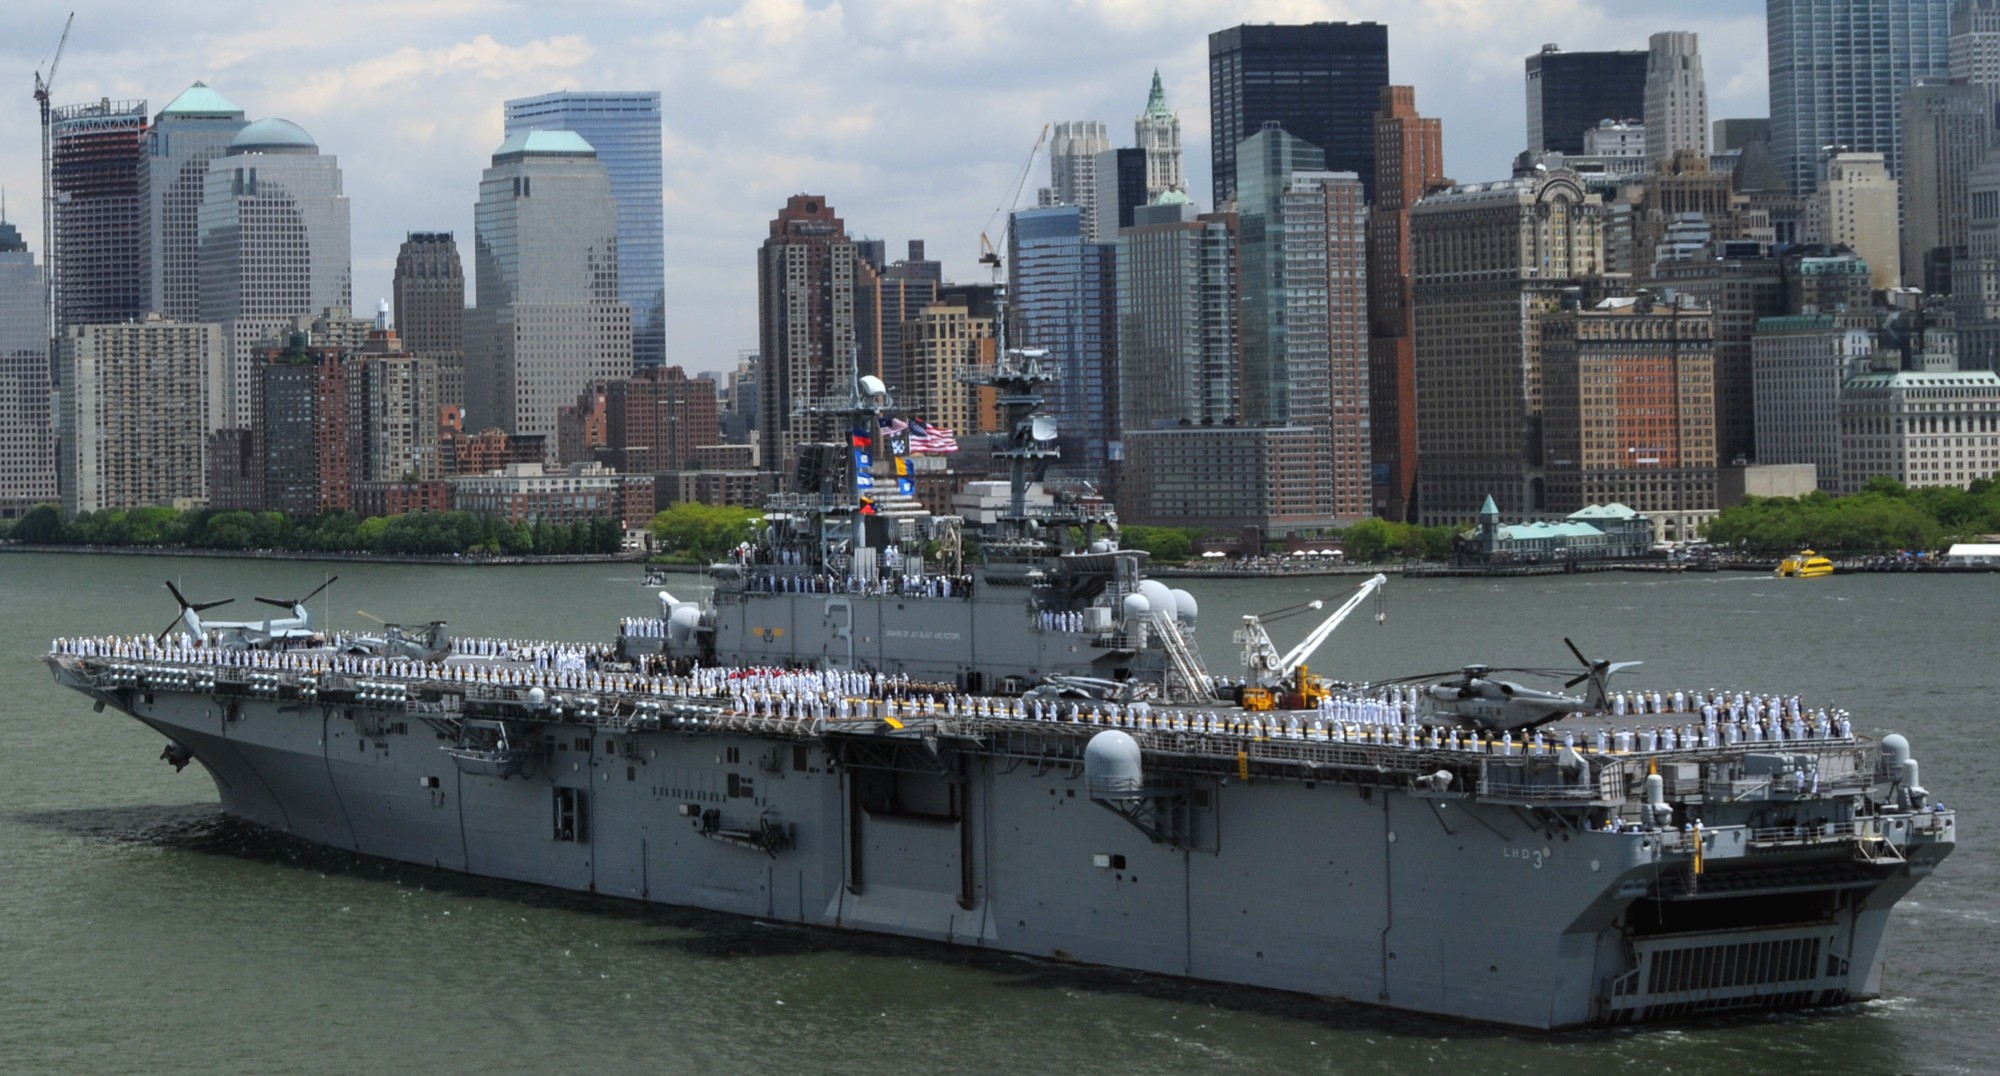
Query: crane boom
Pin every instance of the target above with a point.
(43, 87)
(988, 254)
(1313, 640)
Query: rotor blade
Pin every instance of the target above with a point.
(1579, 654)
(177, 593)
(1619, 666)
(162, 637)
(199, 606)
(1414, 677)
(315, 591)
(1575, 680)
(293, 603)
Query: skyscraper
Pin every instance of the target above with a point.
(947, 336)
(1320, 82)
(1676, 104)
(1265, 163)
(1739, 283)
(1569, 92)
(549, 320)
(1947, 130)
(1073, 151)
(275, 244)
(187, 134)
(1837, 70)
(624, 128)
(1801, 360)
(1975, 286)
(807, 272)
(907, 286)
(1409, 161)
(1058, 301)
(429, 289)
(1326, 333)
(1121, 188)
(303, 431)
(1490, 259)
(27, 448)
(138, 400)
(1973, 49)
(655, 419)
(1654, 449)
(95, 270)
(1178, 350)
(395, 420)
(1157, 133)
(1855, 206)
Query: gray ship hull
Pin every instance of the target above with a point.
(1331, 883)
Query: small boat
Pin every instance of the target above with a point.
(483, 750)
(1805, 564)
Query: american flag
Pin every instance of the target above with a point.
(928, 440)
(897, 434)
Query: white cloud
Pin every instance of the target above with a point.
(911, 116)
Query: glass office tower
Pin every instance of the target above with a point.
(624, 127)
(1838, 70)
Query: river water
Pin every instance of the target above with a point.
(140, 932)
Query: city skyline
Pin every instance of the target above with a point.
(749, 122)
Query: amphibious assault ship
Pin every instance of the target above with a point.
(860, 730)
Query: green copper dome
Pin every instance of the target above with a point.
(273, 136)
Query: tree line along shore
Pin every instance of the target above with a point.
(1884, 516)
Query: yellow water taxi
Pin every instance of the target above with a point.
(1805, 564)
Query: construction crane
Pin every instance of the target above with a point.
(988, 254)
(42, 87)
(1274, 680)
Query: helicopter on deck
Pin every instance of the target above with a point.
(428, 644)
(1474, 696)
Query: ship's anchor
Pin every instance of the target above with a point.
(178, 755)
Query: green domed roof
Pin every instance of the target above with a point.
(273, 136)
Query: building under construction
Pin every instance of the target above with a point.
(96, 156)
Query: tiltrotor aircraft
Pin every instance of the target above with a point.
(273, 632)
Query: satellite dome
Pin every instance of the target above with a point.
(273, 136)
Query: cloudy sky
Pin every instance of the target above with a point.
(912, 117)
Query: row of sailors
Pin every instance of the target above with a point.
(731, 681)
(1410, 734)
(1752, 723)
(1061, 620)
(642, 627)
(1722, 703)
(1394, 705)
(543, 654)
(903, 586)
(845, 694)
(185, 649)
(1719, 706)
